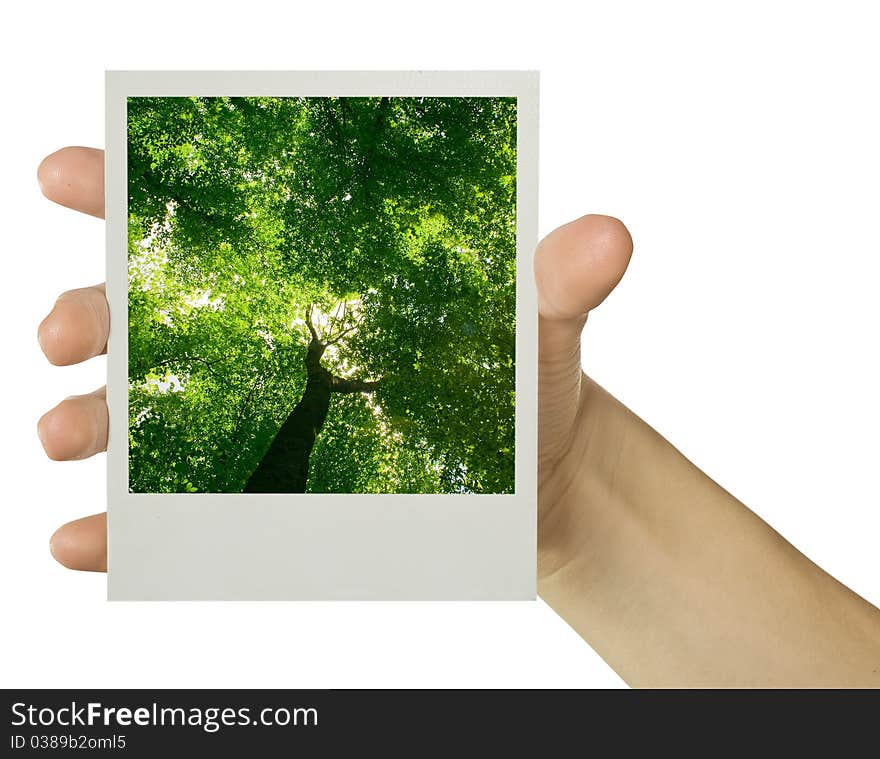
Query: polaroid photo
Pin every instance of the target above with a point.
(323, 352)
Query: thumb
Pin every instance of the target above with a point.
(576, 267)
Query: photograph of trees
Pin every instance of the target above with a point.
(321, 295)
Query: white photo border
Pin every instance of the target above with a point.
(233, 546)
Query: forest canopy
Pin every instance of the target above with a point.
(322, 294)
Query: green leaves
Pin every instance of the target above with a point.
(245, 210)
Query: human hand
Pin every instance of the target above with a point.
(576, 267)
(74, 331)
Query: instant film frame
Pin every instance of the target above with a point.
(321, 546)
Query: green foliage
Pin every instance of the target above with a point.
(243, 211)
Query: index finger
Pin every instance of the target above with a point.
(74, 177)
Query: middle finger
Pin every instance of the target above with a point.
(77, 327)
(76, 428)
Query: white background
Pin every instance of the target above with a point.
(739, 145)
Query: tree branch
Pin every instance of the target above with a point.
(342, 334)
(309, 324)
(184, 359)
(338, 319)
(341, 385)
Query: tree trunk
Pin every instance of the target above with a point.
(284, 467)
